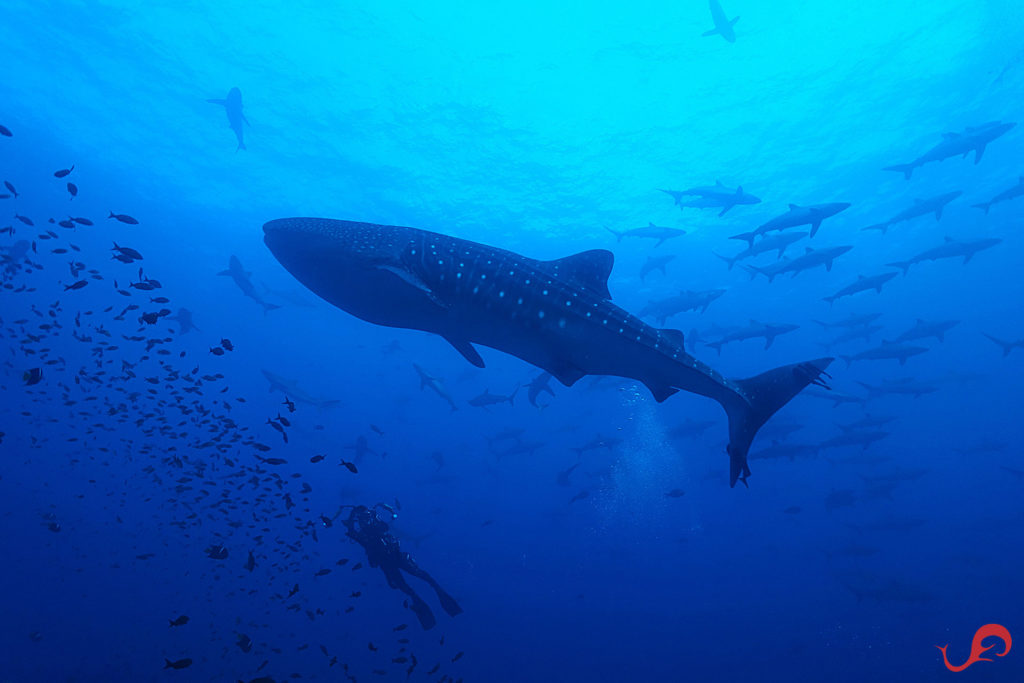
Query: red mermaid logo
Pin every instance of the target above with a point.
(986, 631)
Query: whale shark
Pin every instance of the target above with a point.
(556, 315)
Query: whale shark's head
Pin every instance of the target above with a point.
(358, 267)
(307, 243)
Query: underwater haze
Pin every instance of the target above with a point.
(251, 431)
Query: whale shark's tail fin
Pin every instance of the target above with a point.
(760, 398)
(905, 169)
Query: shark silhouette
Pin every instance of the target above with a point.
(233, 108)
(556, 315)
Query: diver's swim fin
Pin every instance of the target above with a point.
(448, 603)
(423, 613)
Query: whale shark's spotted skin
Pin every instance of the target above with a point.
(557, 315)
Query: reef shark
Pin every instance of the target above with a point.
(556, 315)
(291, 389)
(972, 139)
(723, 25)
(243, 279)
(921, 207)
(233, 108)
(796, 216)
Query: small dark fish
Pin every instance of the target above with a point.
(24, 219)
(291, 405)
(132, 254)
(250, 563)
(180, 621)
(73, 190)
(351, 466)
(244, 642)
(160, 300)
(6, 132)
(323, 572)
(64, 172)
(226, 343)
(217, 552)
(676, 493)
(377, 429)
(82, 221)
(11, 189)
(371, 647)
(458, 656)
(579, 496)
(76, 285)
(150, 318)
(316, 458)
(123, 217)
(283, 420)
(217, 351)
(33, 376)
(355, 594)
(179, 664)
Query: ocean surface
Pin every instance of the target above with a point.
(182, 421)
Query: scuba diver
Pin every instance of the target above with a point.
(367, 529)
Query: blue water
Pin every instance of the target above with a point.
(532, 128)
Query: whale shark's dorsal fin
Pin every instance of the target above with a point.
(587, 269)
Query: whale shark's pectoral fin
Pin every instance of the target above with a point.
(414, 280)
(660, 391)
(467, 351)
(588, 269)
(566, 373)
